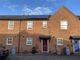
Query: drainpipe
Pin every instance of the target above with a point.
(19, 37)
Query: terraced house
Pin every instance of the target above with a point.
(48, 33)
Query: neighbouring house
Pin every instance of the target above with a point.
(48, 33)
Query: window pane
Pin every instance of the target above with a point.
(10, 24)
(29, 25)
(29, 41)
(44, 24)
(59, 41)
(9, 41)
(63, 25)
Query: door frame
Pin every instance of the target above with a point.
(73, 46)
(79, 44)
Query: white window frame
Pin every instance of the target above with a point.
(44, 24)
(29, 40)
(63, 24)
(29, 25)
(12, 23)
(60, 40)
(7, 39)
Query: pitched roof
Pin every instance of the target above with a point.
(24, 17)
(31, 17)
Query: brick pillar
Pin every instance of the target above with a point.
(47, 45)
(42, 46)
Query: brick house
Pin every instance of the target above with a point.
(48, 33)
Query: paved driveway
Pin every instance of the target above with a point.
(43, 57)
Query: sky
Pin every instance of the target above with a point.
(37, 7)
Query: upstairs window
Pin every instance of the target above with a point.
(9, 41)
(29, 41)
(10, 24)
(64, 25)
(45, 24)
(29, 25)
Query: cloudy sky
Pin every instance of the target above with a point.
(37, 7)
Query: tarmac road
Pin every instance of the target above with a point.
(43, 57)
